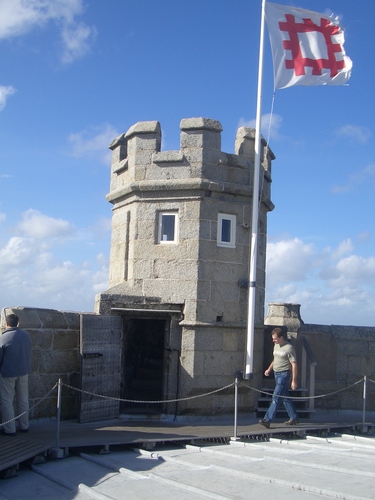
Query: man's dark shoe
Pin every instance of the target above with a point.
(24, 430)
(265, 423)
(293, 421)
(8, 433)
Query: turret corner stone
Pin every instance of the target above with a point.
(200, 124)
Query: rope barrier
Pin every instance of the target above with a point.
(304, 397)
(184, 399)
(148, 402)
(30, 409)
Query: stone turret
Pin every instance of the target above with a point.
(181, 230)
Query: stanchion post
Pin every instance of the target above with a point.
(364, 402)
(58, 452)
(234, 438)
(58, 413)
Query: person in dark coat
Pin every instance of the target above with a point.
(15, 361)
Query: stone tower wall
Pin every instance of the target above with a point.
(199, 181)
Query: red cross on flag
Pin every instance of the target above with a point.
(307, 47)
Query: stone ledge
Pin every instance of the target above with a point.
(121, 167)
(150, 127)
(200, 124)
(168, 157)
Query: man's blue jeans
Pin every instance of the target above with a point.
(281, 389)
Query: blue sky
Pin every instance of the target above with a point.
(75, 74)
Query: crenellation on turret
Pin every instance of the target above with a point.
(200, 133)
(137, 160)
(119, 149)
(245, 146)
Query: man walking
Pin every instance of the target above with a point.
(284, 362)
(15, 360)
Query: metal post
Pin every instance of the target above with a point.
(234, 438)
(58, 413)
(253, 250)
(364, 401)
(58, 452)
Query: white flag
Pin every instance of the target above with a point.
(307, 47)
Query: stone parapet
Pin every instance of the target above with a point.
(55, 354)
(139, 166)
(344, 355)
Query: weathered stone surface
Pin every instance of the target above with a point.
(66, 340)
(140, 128)
(59, 362)
(55, 353)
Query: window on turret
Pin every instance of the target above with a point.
(226, 231)
(168, 227)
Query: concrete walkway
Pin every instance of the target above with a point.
(139, 459)
(335, 466)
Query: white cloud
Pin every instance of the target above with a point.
(77, 40)
(19, 17)
(39, 226)
(5, 92)
(333, 286)
(344, 247)
(17, 251)
(92, 141)
(290, 260)
(33, 274)
(100, 277)
(354, 270)
(358, 134)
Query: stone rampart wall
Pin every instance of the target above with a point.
(344, 355)
(55, 354)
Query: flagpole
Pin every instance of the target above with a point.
(255, 215)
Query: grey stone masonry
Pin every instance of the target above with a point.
(199, 273)
(55, 354)
(197, 182)
(344, 355)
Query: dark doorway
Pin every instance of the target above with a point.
(143, 365)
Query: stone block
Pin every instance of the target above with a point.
(222, 363)
(188, 340)
(358, 366)
(40, 384)
(189, 230)
(231, 341)
(59, 362)
(192, 366)
(72, 320)
(41, 339)
(28, 317)
(208, 339)
(169, 269)
(199, 139)
(51, 318)
(191, 210)
(176, 292)
(66, 340)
